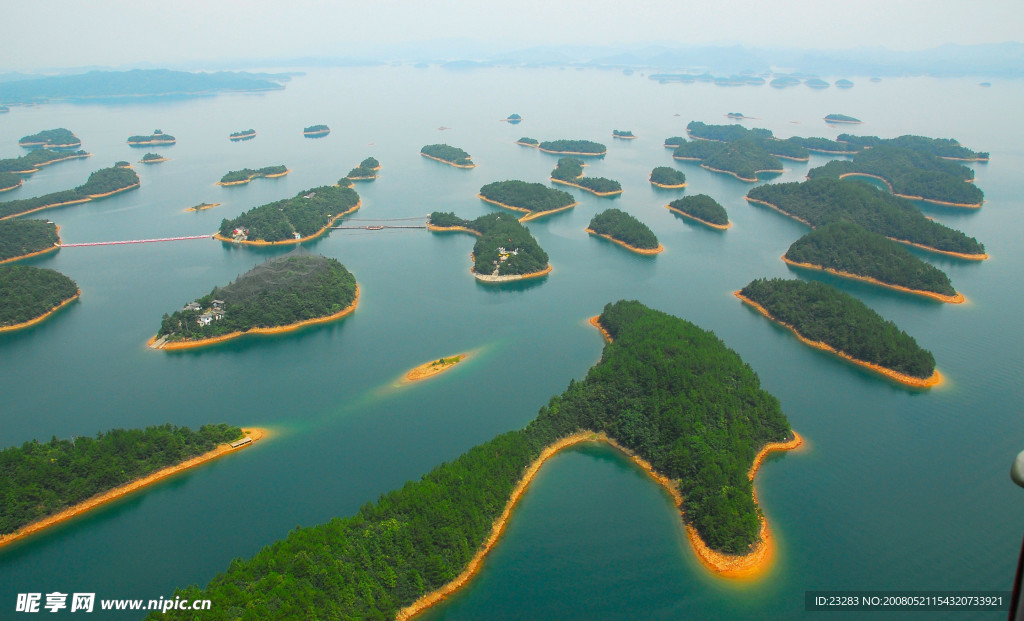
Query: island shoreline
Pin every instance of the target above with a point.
(643, 251)
(284, 242)
(594, 192)
(530, 215)
(43, 317)
(453, 164)
(892, 191)
(430, 369)
(720, 227)
(949, 299)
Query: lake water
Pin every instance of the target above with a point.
(896, 488)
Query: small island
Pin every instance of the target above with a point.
(31, 294)
(21, 239)
(152, 158)
(842, 118)
(245, 134)
(157, 137)
(851, 251)
(703, 209)
(316, 131)
(737, 115)
(202, 207)
(434, 367)
(622, 134)
(625, 230)
(535, 199)
(240, 177)
(34, 160)
(122, 164)
(573, 147)
(505, 250)
(366, 171)
(528, 142)
(301, 218)
(10, 181)
(513, 119)
(446, 154)
(280, 295)
(825, 318)
(102, 183)
(59, 138)
(668, 178)
(569, 171)
(674, 141)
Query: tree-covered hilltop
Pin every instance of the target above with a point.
(447, 153)
(41, 479)
(847, 247)
(665, 388)
(504, 248)
(623, 227)
(513, 117)
(9, 181)
(841, 118)
(30, 162)
(668, 177)
(248, 174)
(530, 197)
(370, 163)
(152, 157)
(762, 137)
(21, 237)
(245, 134)
(701, 207)
(52, 139)
(743, 158)
(316, 130)
(28, 293)
(305, 214)
(822, 313)
(280, 292)
(528, 142)
(157, 137)
(573, 147)
(122, 164)
(695, 150)
(100, 183)
(620, 133)
(822, 201)
(910, 173)
(824, 145)
(946, 148)
(367, 169)
(674, 141)
(569, 170)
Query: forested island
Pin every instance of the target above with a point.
(669, 178)
(737, 115)
(29, 295)
(9, 181)
(842, 118)
(535, 199)
(666, 391)
(703, 209)
(910, 174)
(61, 478)
(239, 177)
(152, 158)
(826, 318)
(849, 250)
(825, 145)
(316, 131)
(528, 142)
(292, 220)
(102, 183)
(788, 149)
(20, 239)
(625, 230)
(505, 249)
(513, 118)
(31, 162)
(157, 137)
(59, 138)
(743, 158)
(623, 134)
(569, 171)
(279, 295)
(366, 171)
(946, 148)
(573, 147)
(245, 134)
(818, 202)
(122, 164)
(453, 156)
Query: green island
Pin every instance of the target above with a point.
(910, 174)
(828, 319)
(122, 164)
(842, 118)
(59, 138)
(851, 251)
(665, 177)
(624, 134)
(703, 209)
(20, 239)
(157, 137)
(152, 158)
(316, 131)
(788, 149)
(743, 158)
(737, 115)
(366, 171)
(505, 249)
(818, 202)
(9, 181)
(245, 134)
(31, 162)
(569, 171)
(673, 142)
(513, 118)
(665, 390)
(528, 142)
(30, 294)
(535, 199)
(625, 230)
(573, 147)
(43, 479)
(306, 215)
(824, 145)
(279, 295)
(453, 156)
(102, 183)
(946, 148)
(239, 177)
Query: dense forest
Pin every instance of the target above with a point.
(570, 170)
(30, 162)
(821, 201)
(279, 292)
(574, 147)
(447, 153)
(621, 133)
(939, 147)
(27, 293)
(824, 145)
(623, 227)
(157, 137)
(41, 479)
(367, 169)
(504, 248)
(725, 133)
(9, 181)
(910, 173)
(152, 157)
(820, 312)
(21, 237)
(666, 389)
(695, 149)
(371, 163)
(51, 139)
(847, 247)
(533, 197)
(529, 142)
(663, 175)
(306, 213)
(744, 159)
(702, 207)
(102, 181)
(248, 174)
(674, 141)
(841, 118)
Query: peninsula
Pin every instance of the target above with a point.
(102, 183)
(698, 420)
(293, 220)
(9, 181)
(59, 138)
(152, 158)
(569, 171)
(825, 318)
(703, 209)
(245, 134)
(280, 295)
(623, 229)
(842, 118)
(453, 156)
(239, 177)
(21, 239)
(157, 137)
(316, 131)
(534, 199)
(573, 147)
(668, 178)
(31, 294)
(366, 171)
(434, 367)
(31, 162)
(505, 250)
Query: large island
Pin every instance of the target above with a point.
(623, 229)
(28, 295)
(306, 215)
(33, 161)
(101, 184)
(506, 251)
(535, 199)
(573, 147)
(21, 239)
(447, 154)
(59, 138)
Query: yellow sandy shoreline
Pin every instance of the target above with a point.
(462, 229)
(933, 201)
(512, 277)
(32, 322)
(668, 187)
(24, 213)
(430, 369)
(17, 185)
(949, 299)
(605, 152)
(933, 380)
(530, 215)
(139, 143)
(204, 207)
(112, 192)
(437, 159)
(594, 192)
(255, 176)
(155, 161)
(38, 252)
(720, 227)
(528, 144)
(255, 433)
(292, 241)
(645, 251)
(729, 172)
(242, 136)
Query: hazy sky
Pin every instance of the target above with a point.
(71, 33)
